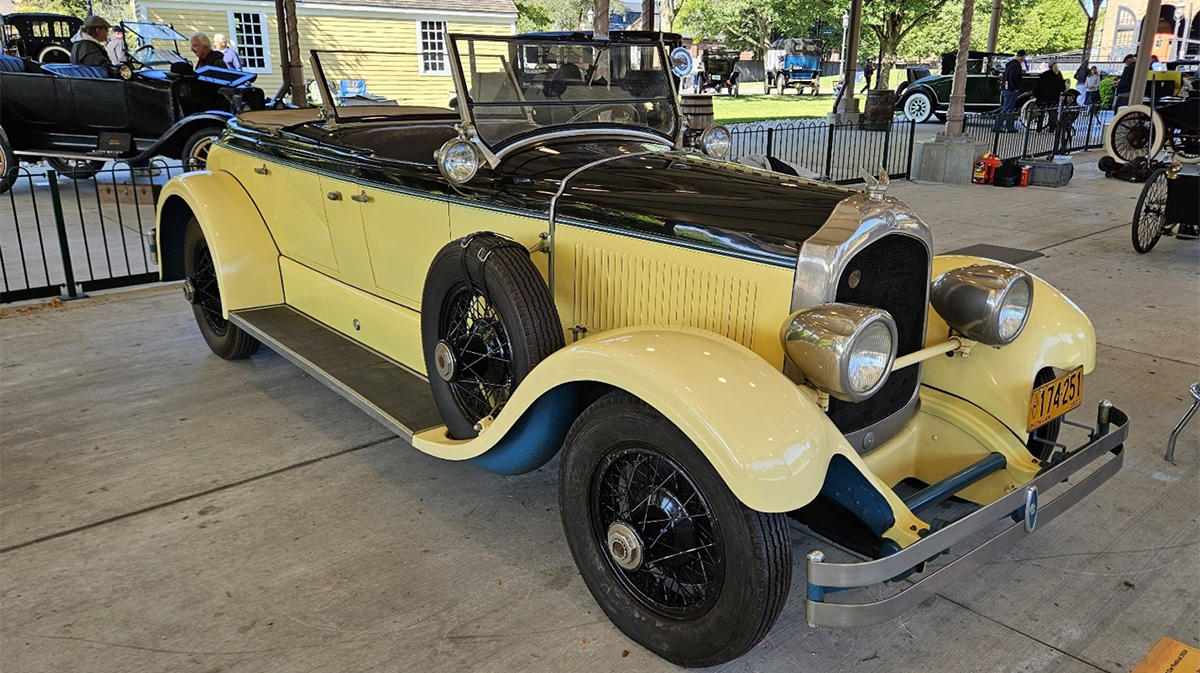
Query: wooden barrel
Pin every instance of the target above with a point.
(878, 113)
(698, 111)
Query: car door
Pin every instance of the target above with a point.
(403, 231)
(293, 205)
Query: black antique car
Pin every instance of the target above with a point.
(77, 117)
(929, 96)
(44, 37)
(718, 73)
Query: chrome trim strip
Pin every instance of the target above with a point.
(324, 377)
(822, 576)
(887, 428)
(607, 133)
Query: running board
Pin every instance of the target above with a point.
(390, 393)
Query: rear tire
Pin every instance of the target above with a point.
(196, 148)
(8, 164)
(710, 583)
(1149, 218)
(76, 169)
(1136, 131)
(918, 107)
(223, 337)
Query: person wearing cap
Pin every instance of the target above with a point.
(117, 52)
(1010, 88)
(88, 45)
(1125, 83)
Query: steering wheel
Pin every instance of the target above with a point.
(622, 113)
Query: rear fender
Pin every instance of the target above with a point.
(245, 255)
(1000, 380)
(765, 436)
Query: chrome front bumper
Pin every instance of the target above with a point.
(1108, 436)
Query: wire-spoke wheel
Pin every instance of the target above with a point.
(1134, 132)
(1184, 144)
(674, 559)
(1149, 218)
(487, 321)
(202, 289)
(196, 149)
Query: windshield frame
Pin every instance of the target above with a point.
(493, 151)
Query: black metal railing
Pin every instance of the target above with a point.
(837, 152)
(66, 234)
(1040, 131)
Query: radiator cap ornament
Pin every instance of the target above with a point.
(876, 187)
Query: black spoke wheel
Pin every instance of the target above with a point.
(671, 555)
(1132, 136)
(202, 289)
(1149, 218)
(1185, 144)
(487, 320)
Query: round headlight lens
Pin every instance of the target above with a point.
(1014, 310)
(459, 160)
(870, 357)
(716, 141)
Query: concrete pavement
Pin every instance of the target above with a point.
(164, 510)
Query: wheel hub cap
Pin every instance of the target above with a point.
(625, 546)
(443, 360)
(189, 291)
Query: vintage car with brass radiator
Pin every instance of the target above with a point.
(553, 264)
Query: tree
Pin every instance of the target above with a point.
(1037, 26)
(112, 10)
(752, 25)
(531, 17)
(891, 21)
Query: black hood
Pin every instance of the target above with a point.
(676, 194)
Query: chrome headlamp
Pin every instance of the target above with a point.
(716, 141)
(845, 350)
(458, 160)
(985, 302)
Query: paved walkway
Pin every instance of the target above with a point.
(164, 510)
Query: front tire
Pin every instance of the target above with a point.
(1150, 216)
(1136, 131)
(918, 107)
(673, 558)
(203, 291)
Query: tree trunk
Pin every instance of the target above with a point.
(666, 16)
(600, 22)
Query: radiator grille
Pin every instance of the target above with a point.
(894, 276)
(615, 290)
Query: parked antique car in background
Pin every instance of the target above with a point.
(794, 63)
(717, 72)
(77, 117)
(929, 97)
(1169, 117)
(39, 36)
(559, 266)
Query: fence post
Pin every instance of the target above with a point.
(887, 144)
(1025, 146)
(61, 225)
(829, 152)
(770, 141)
(912, 141)
(1087, 140)
(996, 137)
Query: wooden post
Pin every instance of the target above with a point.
(295, 65)
(600, 22)
(848, 103)
(1149, 27)
(994, 28)
(958, 91)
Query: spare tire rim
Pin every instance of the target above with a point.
(480, 354)
(658, 533)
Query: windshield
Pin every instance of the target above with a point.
(519, 86)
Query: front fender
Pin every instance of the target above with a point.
(245, 255)
(766, 437)
(1000, 380)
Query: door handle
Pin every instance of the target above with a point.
(261, 170)
(334, 196)
(361, 197)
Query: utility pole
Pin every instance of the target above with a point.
(994, 28)
(845, 34)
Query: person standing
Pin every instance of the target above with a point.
(1010, 88)
(88, 45)
(868, 70)
(117, 51)
(1048, 92)
(205, 54)
(1125, 83)
(228, 52)
(1091, 87)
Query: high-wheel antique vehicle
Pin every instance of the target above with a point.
(794, 63)
(1167, 206)
(929, 97)
(717, 72)
(560, 267)
(39, 36)
(1173, 122)
(77, 117)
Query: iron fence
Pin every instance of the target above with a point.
(66, 234)
(837, 152)
(1040, 131)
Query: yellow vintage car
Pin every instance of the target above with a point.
(554, 264)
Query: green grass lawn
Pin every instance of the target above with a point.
(753, 105)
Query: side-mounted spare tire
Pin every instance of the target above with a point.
(487, 319)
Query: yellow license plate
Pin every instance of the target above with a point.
(1051, 400)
